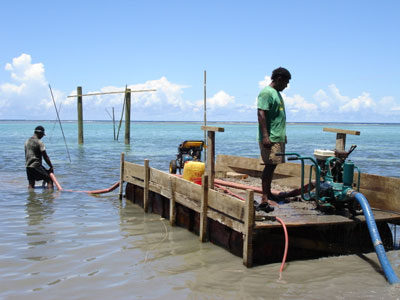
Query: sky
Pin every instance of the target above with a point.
(343, 56)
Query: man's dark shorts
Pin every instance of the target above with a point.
(38, 173)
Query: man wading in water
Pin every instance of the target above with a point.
(271, 131)
(34, 151)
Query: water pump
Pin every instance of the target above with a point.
(334, 177)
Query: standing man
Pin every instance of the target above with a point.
(271, 131)
(34, 151)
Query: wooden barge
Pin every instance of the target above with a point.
(233, 223)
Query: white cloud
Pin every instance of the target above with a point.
(220, 99)
(297, 104)
(26, 95)
(362, 102)
(263, 83)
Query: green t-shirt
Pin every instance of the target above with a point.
(271, 100)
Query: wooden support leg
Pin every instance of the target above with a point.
(146, 185)
(172, 207)
(121, 178)
(248, 229)
(203, 209)
(211, 158)
(340, 141)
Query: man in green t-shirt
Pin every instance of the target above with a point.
(271, 131)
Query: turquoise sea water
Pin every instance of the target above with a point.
(72, 245)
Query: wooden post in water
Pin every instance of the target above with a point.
(121, 178)
(146, 186)
(249, 216)
(128, 117)
(210, 164)
(80, 115)
(113, 118)
(204, 208)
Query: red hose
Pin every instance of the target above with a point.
(103, 191)
(286, 244)
(54, 179)
(277, 218)
(229, 192)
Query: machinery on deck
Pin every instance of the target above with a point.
(335, 192)
(187, 151)
(333, 180)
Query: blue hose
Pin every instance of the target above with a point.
(376, 239)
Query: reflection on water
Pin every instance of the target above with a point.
(39, 208)
(39, 205)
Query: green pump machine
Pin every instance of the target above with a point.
(334, 176)
(336, 192)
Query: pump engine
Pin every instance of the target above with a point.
(334, 177)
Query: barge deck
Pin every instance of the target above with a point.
(234, 225)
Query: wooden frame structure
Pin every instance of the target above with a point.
(231, 212)
(236, 219)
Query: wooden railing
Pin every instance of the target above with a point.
(232, 212)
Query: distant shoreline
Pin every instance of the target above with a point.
(209, 122)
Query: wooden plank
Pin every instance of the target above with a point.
(248, 228)
(236, 175)
(121, 176)
(133, 170)
(160, 177)
(344, 131)
(226, 220)
(214, 129)
(172, 206)
(310, 218)
(381, 192)
(203, 209)
(191, 189)
(229, 163)
(137, 182)
(226, 204)
(146, 185)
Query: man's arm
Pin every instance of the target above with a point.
(47, 160)
(262, 121)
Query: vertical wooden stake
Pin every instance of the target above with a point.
(340, 141)
(121, 174)
(205, 111)
(113, 116)
(146, 185)
(172, 208)
(128, 117)
(211, 158)
(204, 208)
(80, 115)
(248, 229)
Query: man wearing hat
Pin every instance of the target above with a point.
(34, 152)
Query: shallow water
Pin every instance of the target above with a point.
(72, 245)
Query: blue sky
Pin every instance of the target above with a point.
(343, 56)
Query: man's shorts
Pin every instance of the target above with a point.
(268, 156)
(37, 173)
